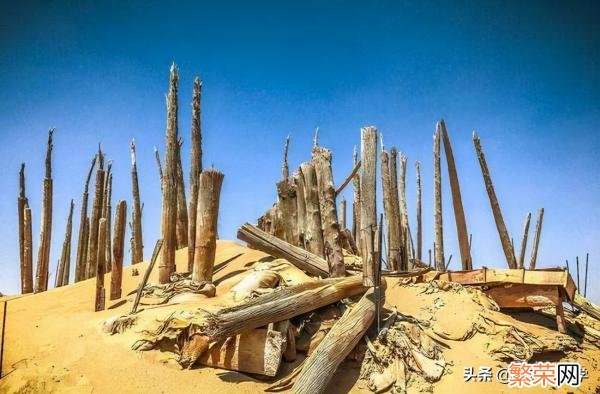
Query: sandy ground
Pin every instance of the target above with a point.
(53, 341)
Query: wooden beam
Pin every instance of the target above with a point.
(390, 208)
(356, 202)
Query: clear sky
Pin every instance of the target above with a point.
(525, 75)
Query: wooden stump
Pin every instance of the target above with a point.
(118, 248)
(419, 214)
(182, 216)
(99, 303)
(300, 208)
(22, 203)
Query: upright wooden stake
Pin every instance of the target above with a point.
(182, 217)
(368, 209)
(392, 220)
(502, 231)
(137, 252)
(195, 169)
(406, 242)
(210, 182)
(118, 249)
(524, 240)
(313, 235)
(64, 266)
(107, 214)
(82, 237)
(440, 263)
(395, 247)
(459, 213)
(169, 203)
(419, 213)
(343, 217)
(356, 203)
(27, 275)
(92, 247)
(321, 158)
(22, 202)
(100, 299)
(285, 171)
(43, 258)
(536, 239)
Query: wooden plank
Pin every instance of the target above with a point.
(464, 277)
(504, 275)
(524, 296)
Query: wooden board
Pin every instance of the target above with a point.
(524, 295)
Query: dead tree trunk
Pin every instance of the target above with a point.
(82, 237)
(393, 165)
(137, 252)
(368, 207)
(440, 263)
(27, 276)
(107, 213)
(313, 233)
(536, 239)
(285, 170)
(356, 204)
(288, 205)
(322, 363)
(502, 231)
(118, 248)
(406, 245)
(276, 247)
(393, 221)
(419, 214)
(22, 202)
(159, 166)
(331, 228)
(182, 217)
(100, 299)
(298, 179)
(210, 183)
(195, 169)
(43, 259)
(524, 240)
(169, 188)
(459, 213)
(92, 247)
(64, 266)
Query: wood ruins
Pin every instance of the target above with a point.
(321, 268)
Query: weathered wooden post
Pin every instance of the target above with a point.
(137, 252)
(118, 248)
(195, 169)
(285, 171)
(27, 277)
(82, 237)
(313, 235)
(182, 217)
(100, 299)
(159, 166)
(288, 205)
(395, 199)
(321, 158)
(169, 187)
(92, 252)
(440, 263)
(210, 183)
(393, 221)
(107, 213)
(22, 203)
(298, 179)
(356, 204)
(459, 213)
(524, 240)
(502, 231)
(419, 213)
(406, 243)
(536, 239)
(43, 258)
(343, 216)
(368, 208)
(64, 266)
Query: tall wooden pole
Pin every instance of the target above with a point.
(92, 246)
(298, 180)
(395, 202)
(169, 203)
(356, 203)
(313, 235)
(391, 212)
(210, 183)
(524, 241)
(64, 266)
(406, 242)
(27, 277)
(43, 258)
(118, 249)
(459, 213)
(195, 169)
(182, 217)
(107, 214)
(137, 252)
(502, 231)
(587, 258)
(100, 299)
(285, 171)
(368, 208)
(419, 214)
(82, 237)
(536, 239)
(22, 202)
(440, 263)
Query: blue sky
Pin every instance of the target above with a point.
(525, 75)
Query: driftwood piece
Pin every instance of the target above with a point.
(338, 343)
(43, 258)
(137, 251)
(210, 182)
(83, 234)
(169, 187)
(92, 246)
(100, 299)
(356, 206)
(502, 231)
(321, 158)
(64, 265)
(118, 247)
(536, 239)
(440, 263)
(182, 214)
(195, 168)
(521, 261)
(459, 213)
(368, 207)
(27, 284)
(22, 203)
(391, 211)
(350, 177)
(313, 235)
(288, 205)
(276, 247)
(419, 213)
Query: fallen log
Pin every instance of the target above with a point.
(276, 247)
(337, 344)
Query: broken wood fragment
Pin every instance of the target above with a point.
(182, 214)
(287, 205)
(92, 244)
(285, 170)
(390, 206)
(419, 214)
(350, 177)
(406, 240)
(356, 210)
